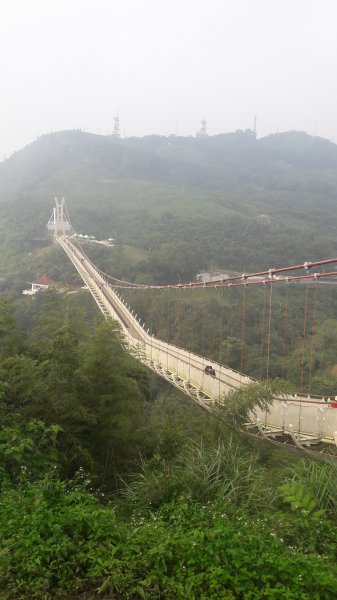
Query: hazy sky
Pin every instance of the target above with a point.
(165, 65)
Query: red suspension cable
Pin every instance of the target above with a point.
(269, 329)
(203, 310)
(243, 326)
(312, 338)
(286, 307)
(262, 330)
(304, 334)
(314, 277)
(239, 279)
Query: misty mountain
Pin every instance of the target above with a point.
(237, 201)
(219, 162)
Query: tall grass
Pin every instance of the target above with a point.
(320, 480)
(150, 488)
(223, 472)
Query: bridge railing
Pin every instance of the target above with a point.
(305, 415)
(184, 364)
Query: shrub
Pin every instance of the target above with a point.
(51, 536)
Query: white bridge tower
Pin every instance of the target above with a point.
(59, 221)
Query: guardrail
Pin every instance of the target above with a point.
(295, 414)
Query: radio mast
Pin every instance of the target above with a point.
(203, 131)
(116, 132)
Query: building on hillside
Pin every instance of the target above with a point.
(42, 283)
(205, 277)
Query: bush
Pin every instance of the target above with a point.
(51, 537)
(223, 471)
(192, 551)
(58, 542)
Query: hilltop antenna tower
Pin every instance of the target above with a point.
(203, 131)
(255, 119)
(116, 132)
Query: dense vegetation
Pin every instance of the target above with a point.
(180, 205)
(209, 322)
(229, 201)
(112, 485)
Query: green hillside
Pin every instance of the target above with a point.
(111, 484)
(237, 201)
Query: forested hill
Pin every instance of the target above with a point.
(220, 162)
(236, 201)
(110, 486)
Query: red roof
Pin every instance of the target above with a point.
(44, 280)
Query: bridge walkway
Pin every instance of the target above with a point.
(307, 420)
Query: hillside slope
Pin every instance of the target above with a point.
(237, 201)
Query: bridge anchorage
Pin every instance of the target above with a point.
(299, 419)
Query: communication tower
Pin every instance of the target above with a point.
(203, 131)
(116, 132)
(255, 119)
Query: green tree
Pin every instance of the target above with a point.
(116, 391)
(238, 403)
(11, 340)
(24, 389)
(174, 262)
(28, 449)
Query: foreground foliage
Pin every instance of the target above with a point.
(58, 541)
(112, 487)
(211, 523)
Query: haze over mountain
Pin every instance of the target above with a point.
(212, 162)
(236, 200)
(165, 66)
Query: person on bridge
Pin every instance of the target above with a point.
(210, 371)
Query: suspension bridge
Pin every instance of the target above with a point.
(303, 419)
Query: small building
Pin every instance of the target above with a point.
(205, 277)
(42, 283)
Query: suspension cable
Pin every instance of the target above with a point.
(262, 329)
(243, 326)
(298, 278)
(286, 308)
(168, 316)
(191, 323)
(178, 312)
(304, 334)
(221, 322)
(269, 329)
(203, 326)
(312, 338)
(230, 314)
(237, 280)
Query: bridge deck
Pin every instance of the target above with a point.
(307, 420)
